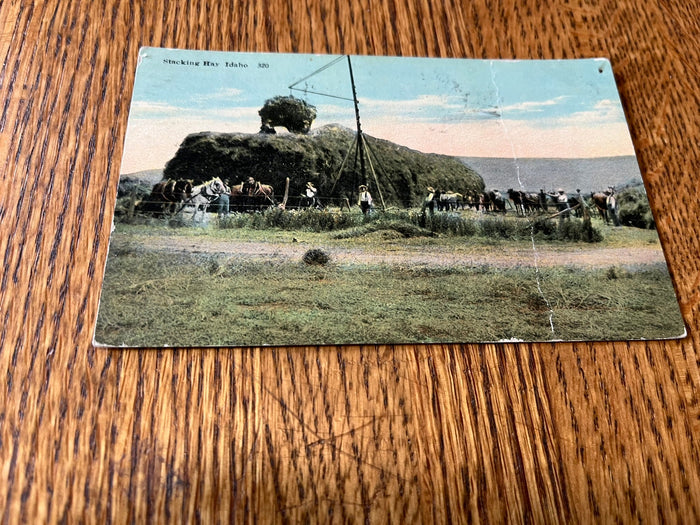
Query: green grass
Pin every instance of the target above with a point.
(414, 222)
(382, 234)
(469, 226)
(155, 299)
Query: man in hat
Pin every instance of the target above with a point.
(562, 201)
(431, 200)
(224, 199)
(248, 191)
(611, 205)
(365, 199)
(312, 196)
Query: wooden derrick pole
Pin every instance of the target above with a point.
(360, 141)
(359, 146)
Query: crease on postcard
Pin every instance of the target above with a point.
(516, 165)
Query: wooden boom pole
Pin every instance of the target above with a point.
(360, 142)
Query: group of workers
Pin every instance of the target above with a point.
(364, 199)
(310, 194)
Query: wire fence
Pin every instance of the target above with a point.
(132, 205)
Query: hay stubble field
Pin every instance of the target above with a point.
(241, 286)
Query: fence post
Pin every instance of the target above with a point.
(586, 212)
(132, 206)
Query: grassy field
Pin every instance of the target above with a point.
(155, 297)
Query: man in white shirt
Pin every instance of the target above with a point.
(365, 200)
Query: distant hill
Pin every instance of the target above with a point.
(549, 174)
(318, 157)
(146, 176)
(139, 183)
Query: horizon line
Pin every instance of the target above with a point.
(460, 157)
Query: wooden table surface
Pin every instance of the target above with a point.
(490, 433)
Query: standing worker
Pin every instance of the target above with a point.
(542, 197)
(611, 205)
(365, 199)
(562, 201)
(224, 199)
(312, 195)
(431, 200)
(248, 192)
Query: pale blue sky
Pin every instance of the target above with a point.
(533, 108)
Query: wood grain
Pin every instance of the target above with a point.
(446, 433)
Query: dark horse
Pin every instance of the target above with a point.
(251, 196)
(525, 203)
(166, 197)
(491, 201)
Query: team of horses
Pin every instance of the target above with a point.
(166, 197)
(179, 196)
(524, 203)
(251, 196)
(174, 197)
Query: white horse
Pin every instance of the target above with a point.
(202, 195)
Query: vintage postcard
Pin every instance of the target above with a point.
(291, 199)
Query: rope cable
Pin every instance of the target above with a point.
(319, 93)
(291, 86)
(371, 150)
(374, 174)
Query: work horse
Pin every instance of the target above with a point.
(251, 196)
(606, 204)
(202, 195)
(167, 196)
